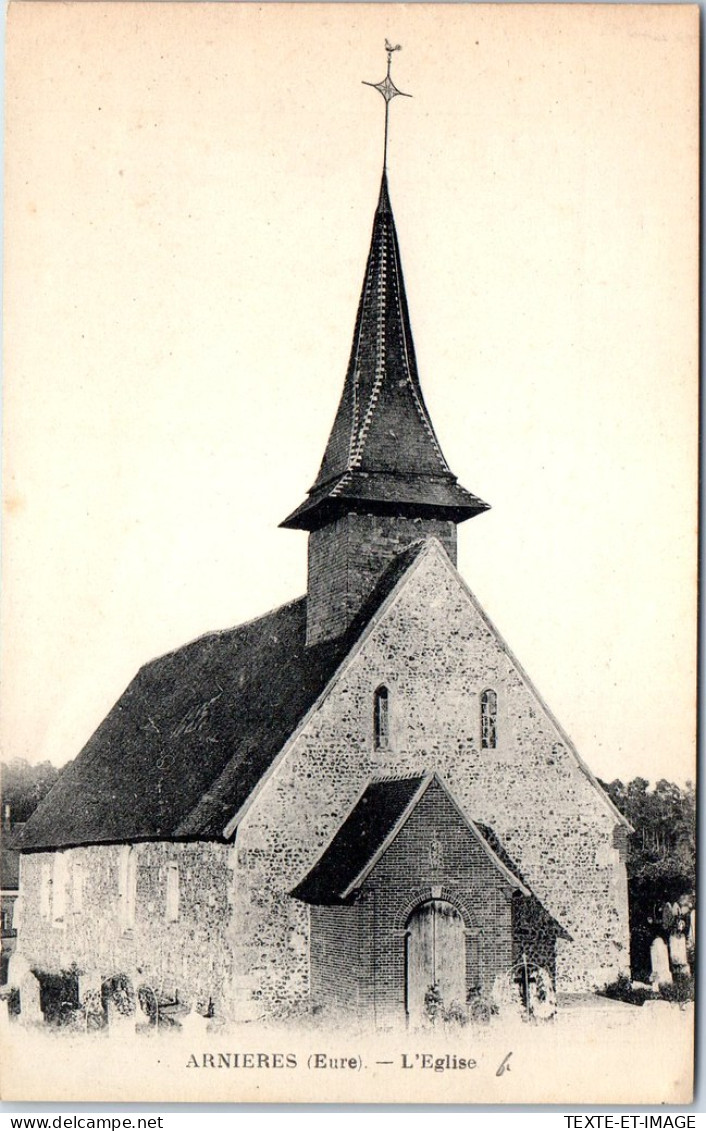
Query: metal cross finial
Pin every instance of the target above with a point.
(388, 90)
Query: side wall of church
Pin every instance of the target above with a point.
(77, 911)
(436, 654)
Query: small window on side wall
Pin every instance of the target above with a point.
(78, 886)
(488, 719)
(58, 887)
(172, 893)
(45, 890)
(381, 719)
(128, 886)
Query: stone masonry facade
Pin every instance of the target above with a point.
(240, 940)
(73, 917)
(434, 650)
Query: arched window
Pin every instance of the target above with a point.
(381, 719)
(488, 719)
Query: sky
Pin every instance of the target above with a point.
(188, 203)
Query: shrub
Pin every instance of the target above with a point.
(681, 989)
(481, 1009)
(13, 1001)
(455, 1014)
(433, 1002)
(623, 990)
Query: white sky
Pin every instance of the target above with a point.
(189, 197)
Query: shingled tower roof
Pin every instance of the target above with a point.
(383, 454)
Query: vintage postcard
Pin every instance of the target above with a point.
(313, 788)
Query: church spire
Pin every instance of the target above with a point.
(383, 457)
(383, 450)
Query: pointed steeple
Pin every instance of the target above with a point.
(384, 483)
(383, 452)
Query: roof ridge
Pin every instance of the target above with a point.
(380, 352)
(421, 408)
(219, 633)
(376, 778)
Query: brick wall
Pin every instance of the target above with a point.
(436, 855)
(347, 558)
(533, 934)
(341, 955)
(358, 951)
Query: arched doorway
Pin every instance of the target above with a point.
(435, 960)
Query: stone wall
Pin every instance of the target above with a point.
(240, 938)
(187, 956)
(435, 652)
(347, 557)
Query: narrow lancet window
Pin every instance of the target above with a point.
(128, 886)
(172, 893)
(381, 719)
(78, 886)
(58, 887)
(45, 891)
(488, 719)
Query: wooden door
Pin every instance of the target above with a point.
(436, 960)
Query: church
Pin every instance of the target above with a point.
(355, 804)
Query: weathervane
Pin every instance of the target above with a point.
(388, 90)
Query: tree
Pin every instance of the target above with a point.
(661, 862)
(23, 786)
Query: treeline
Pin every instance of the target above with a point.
(663, 846)
(22, 786)
(661, 862)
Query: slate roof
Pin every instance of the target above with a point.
(372, 819)
(376, 818)
(9, 865)
(496, 846)
(194, 732)
(383, 450)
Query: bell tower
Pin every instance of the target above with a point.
(383, 483)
